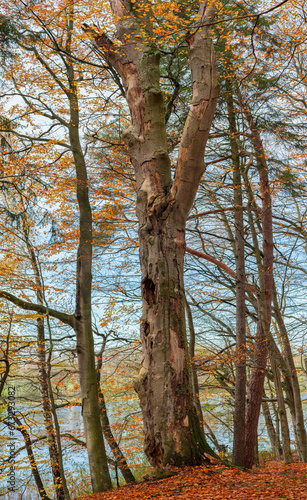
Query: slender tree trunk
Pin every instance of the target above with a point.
(270, 427)
(35, 472)
(285, 435)
(265, 266)
(98, 464)
(256, 382)
(173, 434)
(254, 393)
(107, 431)
(100, 476)
(54, 412)
(81, 320)
(108, 434)
(287, 380)
(256, 453)
(5, 358)
(195, 386)
(54, 444)
(300, 430)
(238, 457)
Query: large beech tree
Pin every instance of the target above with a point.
(173, 434)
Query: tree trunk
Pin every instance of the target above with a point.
(100, 476)
(299, 425)
(97, 457)
(81, 320)
(270, 427)
(57, 470)
(265, 270)
(108, 434)
(238, 457)
(195, 386)
(284, 427)
(54, 444)
(254, 393)
(107, 431)
(34, 469)
(172, 429)
(173, 434)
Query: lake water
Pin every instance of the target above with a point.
(74, 457)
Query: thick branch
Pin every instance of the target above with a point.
(190, 166)
(68, 319)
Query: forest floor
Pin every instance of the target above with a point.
(272, 480)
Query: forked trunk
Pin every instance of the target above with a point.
(173, 434)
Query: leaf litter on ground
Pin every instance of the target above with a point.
(275, 480)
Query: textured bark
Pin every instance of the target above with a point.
(172, 430)
(238, 457)
(173, 434)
